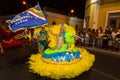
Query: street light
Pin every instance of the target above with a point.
(72, 11)
(24, 3)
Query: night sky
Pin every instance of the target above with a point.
(8, 7)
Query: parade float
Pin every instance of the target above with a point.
(61, 60)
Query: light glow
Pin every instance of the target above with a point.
(72, 11)
(92, 1)
(24, 3)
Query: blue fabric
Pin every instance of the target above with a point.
(32, 17)
(62, 56)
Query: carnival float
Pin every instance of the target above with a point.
(62, 59)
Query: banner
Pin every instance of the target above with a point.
(32, 17)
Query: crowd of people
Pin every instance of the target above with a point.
(108, 39)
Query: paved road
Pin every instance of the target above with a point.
(107, 64)
(13, 66)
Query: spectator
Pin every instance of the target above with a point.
(100, 35)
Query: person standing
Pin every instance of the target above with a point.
(42, 39)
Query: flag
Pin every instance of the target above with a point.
(32, 17)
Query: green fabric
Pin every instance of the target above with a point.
(69, 37)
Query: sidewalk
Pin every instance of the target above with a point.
(102, 50)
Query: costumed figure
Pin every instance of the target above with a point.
(9, 39)
(62, 59)
(42, 39)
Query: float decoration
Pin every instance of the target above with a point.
(61, 61)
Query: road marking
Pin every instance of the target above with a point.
(105, 74)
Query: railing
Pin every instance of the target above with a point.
(102, 43)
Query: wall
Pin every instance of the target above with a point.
(105, 9)
(59, 18)
(90, 12)
(76, 21)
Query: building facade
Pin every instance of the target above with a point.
(60, 18)
(102, 13)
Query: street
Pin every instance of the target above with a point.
(13, 65)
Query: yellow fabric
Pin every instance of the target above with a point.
(56, 30)
(58, 71)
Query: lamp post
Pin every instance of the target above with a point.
(26, 4)
(72, 11)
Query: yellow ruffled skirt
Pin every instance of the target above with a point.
(58, 71)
